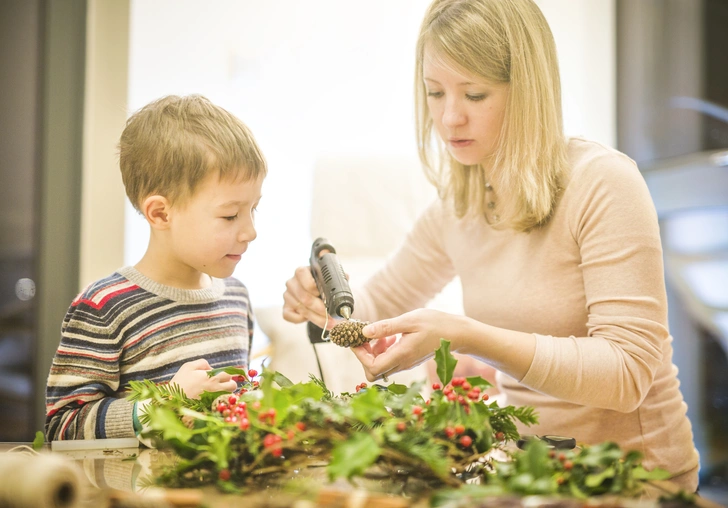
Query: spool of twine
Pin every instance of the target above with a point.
(35, 480)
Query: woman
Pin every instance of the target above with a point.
(555, 240)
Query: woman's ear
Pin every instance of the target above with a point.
(156, 210)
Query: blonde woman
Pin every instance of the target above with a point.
(555, 240)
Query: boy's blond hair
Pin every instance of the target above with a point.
(170, 145)
(501, 41)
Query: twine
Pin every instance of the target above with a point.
(38, 480)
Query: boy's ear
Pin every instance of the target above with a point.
(156, 210)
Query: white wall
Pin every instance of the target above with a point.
(322, 78)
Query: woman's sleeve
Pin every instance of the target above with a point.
(612, 218)
(413, 275)
(82, 400)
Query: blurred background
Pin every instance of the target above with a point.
(323, 81)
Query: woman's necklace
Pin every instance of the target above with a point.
(490, 216)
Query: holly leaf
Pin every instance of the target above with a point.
(278, 378)
(233, 371)
(445, 361)
(207, 398)
(353, 456)
(368, 407)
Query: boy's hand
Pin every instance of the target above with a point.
(192, 378)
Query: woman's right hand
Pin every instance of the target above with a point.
(302, 301)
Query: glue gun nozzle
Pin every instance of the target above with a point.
(345, 312)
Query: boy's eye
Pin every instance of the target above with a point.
(231, 217)
(475, 97)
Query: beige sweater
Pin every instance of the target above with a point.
(590, 287)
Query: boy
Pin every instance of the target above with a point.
(194, 172)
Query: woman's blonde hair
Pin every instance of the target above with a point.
(170, 145)
(500, 41)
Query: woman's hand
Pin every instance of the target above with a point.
(302, 302)
(421, 331)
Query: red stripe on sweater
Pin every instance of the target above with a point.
(97, 306)
(172, 323)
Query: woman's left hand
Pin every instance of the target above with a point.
(419, 333)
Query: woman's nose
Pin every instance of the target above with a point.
(454, 115)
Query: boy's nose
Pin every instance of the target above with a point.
(247, 232)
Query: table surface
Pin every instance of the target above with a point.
(124, 478)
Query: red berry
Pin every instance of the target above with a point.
(476, 389)
(232, 400)
(363, 385)
(301, 426)
(221, 407)
(224, 474)
(244, 424)
(436, 386)
(416, 410)
(458, 381)
(568, 465)
(485, 396)
(256, 405)
(459, 429)
(277, 452)
(449, 432)
(466, 386)
(242, 404)
(252, 373)
(269, 440)
(256, 384)
(401, 427)
(447, 390)
(290, 434)
(358, 388)
(466, 441)
(562, 457)
(552, 454)
(500, 436)
(451, 396)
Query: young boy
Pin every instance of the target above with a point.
(194, 172)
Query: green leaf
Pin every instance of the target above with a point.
(168, 423)
(207, 398)
(595, 480)
(278, 378)
(353, 457)
(445, 361)
(641, 473)
(479, 381)
(397, 389)
(39, 440)
(368, 407)
(233, 371)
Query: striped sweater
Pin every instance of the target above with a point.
(128, 327)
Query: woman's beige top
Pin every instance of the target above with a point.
(589, 285)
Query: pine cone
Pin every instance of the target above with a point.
(348, 333)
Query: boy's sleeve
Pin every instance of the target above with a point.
(82, 394)
(251, 329)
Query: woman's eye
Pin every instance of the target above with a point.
(231, 217)
(475, 97)
(436, 95)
